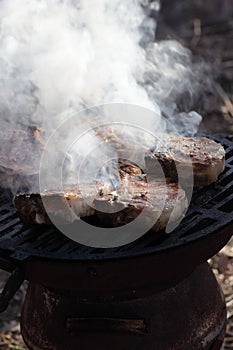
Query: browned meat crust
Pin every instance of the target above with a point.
(165, 201)
(205, 156)
(31, 210)
(129, 200)
(177, 154)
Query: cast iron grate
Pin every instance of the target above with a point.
(211, 210)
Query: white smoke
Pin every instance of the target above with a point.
(56, 54)
(59, 56)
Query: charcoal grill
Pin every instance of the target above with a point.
(64, 273)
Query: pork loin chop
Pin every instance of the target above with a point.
(63, 206)
(177, 154)
(159, 200)
(205, 156)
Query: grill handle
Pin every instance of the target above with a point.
(106, 325)
(12, 284)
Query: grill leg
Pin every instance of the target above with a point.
(190, 315)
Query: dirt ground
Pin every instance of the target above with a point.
(206, 27)
(10, 337)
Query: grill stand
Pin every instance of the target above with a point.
(190, 315)
(136, 296)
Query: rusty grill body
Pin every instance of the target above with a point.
(191, 315)
(120, 295)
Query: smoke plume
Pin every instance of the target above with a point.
(58, 57)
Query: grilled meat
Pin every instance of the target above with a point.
(159, 201)
(126, 167)
(65, 206)
(206, 157)
(130, 172)
(31, 209)
(113, 208)
(177, 154)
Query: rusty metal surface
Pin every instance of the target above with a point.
(190, 315)
(131, 276)
(75, 325)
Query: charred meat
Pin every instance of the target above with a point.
(199, 156)
(159, 200)
(64, 206)
(176, 155)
